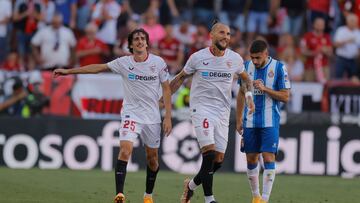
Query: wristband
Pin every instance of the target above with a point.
(248, 94)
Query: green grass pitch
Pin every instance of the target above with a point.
(96, 186)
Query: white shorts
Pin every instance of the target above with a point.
(149, 133)
(210, 132)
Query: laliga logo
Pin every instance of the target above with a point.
(181, 152)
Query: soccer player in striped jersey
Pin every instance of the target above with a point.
(212, 70)
(261, 128)
(143, 74)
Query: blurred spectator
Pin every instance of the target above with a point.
(258, 18)
(124, 17)
(27, 14)
(5, 16)
(295, 13)
(293, 64)
(156, 31)
(317, 48)
(105, 16)
(83, 13)
(13, 105)
(171, 50)
(184, 32)
(56, 44)
(12, 62)
(179, 10)
(347, 44)
(35, 100)
(204, 12)
(49, 11)
(318, 9)
(68, 10)
(356, 9)
(183, 97)
(237, 43)
(232, 13)
(121, 46)
(89, 49)
(201, 39)
(236, 38)
(140, 7)
(286, 41)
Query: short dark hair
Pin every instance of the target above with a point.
(258, 46)
(131, 36)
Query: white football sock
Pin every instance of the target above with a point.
(268, 180)
(253, 177)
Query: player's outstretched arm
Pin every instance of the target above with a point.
(167, 126)
(178, 81)
(89, 69)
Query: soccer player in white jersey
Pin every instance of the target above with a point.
(261, 128)
(142, 74)
(213, 70)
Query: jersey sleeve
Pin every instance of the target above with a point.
(190, 67)
(116, 66)
(245, 67)
(239, 64)
(164, 72)
(283, 81)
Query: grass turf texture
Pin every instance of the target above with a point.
(68, 186)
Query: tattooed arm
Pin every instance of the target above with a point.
(178, 81)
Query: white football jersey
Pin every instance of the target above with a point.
(212, 82)
(141, 82)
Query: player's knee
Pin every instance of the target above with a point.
(268, 157)
(207, 148)
(252, 159)
(152, 162)
(219, 158)
(124, 154)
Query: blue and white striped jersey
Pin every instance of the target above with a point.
(274, 76)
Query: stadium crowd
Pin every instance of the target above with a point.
(317, 40)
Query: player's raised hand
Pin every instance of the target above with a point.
(60, 71)
(167, 126)
(258, 84)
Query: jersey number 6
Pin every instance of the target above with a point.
(205, 123)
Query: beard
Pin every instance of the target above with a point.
(220, 47)
(259, 65)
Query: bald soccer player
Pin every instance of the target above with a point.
(213, 70)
